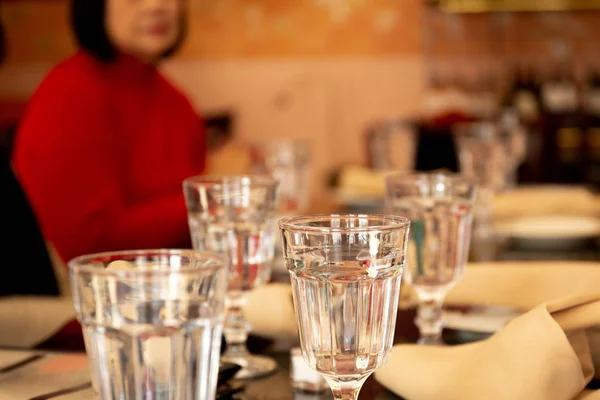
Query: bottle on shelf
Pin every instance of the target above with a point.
(591, 101)
(524, 97)
(563, 152)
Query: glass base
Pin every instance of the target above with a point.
(431, 341)
(252, 366)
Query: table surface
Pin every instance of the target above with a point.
(38, 375)
(64, 376)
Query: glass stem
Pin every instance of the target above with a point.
(236, 328)
(429, 320)
(483, 205)
(345, 390)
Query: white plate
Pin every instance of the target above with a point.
(541, 200)
(551, 231)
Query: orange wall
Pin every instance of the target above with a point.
(37, 30)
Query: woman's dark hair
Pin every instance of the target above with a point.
(89, 25)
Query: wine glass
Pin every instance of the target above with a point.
(514, 138)
(288, 161)
(483, 158)
(235, 215)
(346, 272)
(440, 208)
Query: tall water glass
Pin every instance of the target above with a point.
(439, 207)
(346, 272)
(235, 216)
(152, 322)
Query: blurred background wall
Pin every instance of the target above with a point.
(316, 69)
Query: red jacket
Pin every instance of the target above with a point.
(101, 152)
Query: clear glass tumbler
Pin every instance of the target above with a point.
(440, 208)
(235, 216)
(346, 272)
(152, 322)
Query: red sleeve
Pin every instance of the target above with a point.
(201, 143)
(68, 163)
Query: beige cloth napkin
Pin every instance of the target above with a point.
(522, 285)
(544, 354)
(270, 312)
(26, 321)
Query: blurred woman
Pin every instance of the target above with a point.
(106, 140)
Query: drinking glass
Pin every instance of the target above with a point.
(346, 272)
(439, 207)
(482, 157)
(514, 138)
(152, 322)
(288, 161)
(235, 216)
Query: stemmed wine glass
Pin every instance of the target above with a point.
(288, 161)
(440, 208)
(482, 156)
(346, 272)
(235, 215)
(514, 138)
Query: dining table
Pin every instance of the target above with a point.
(50, 372)
(58, 375)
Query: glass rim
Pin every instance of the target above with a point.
(221, 180)
(89, 263)
(452, 177)
(293, 223)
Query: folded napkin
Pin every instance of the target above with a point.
(270, 312)
(27, 321)
(520, 285)
(545, 354)
(30, 320)
(523, 284)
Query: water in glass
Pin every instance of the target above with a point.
(436, 252)
(147, 346)
(250, 246)
(346, 312)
